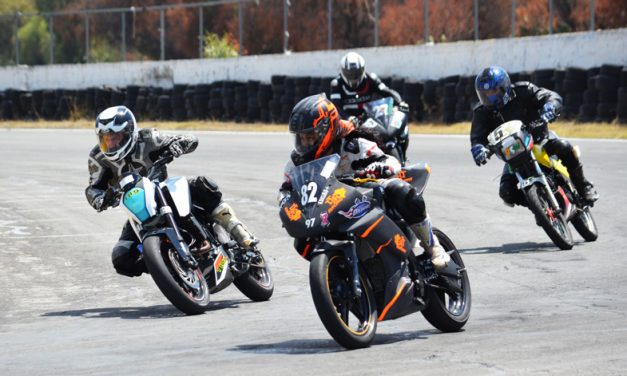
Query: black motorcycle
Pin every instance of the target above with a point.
(172, 230)
(362, 268)
(388, 126)
(545, 182)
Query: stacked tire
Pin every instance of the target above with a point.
(621, 106)
(448, 101)
(278, 90)
(412, 94)
(607, 83)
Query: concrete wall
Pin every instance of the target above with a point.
(583, 50)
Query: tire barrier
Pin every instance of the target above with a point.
(595, 94)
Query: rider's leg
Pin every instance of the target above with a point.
(566, 153)
(224, 215)
(125, 256)
(411, 206)
(508, 190)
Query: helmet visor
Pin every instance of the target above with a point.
(306, 141)
(353, 77)
(112, 142)
(493, 97)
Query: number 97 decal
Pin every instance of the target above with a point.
(308, 193)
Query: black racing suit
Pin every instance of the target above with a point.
(104, 175)
(526, 104)
(349, 102)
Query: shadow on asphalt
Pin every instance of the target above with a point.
(320, 346)
(134, 313)
(526, 247)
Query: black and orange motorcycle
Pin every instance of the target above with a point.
(362, 268)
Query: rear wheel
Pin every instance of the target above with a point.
(446, 310)
(257, 282)
(585, 225)
(551, 221)
(184, 287)
(351, 320)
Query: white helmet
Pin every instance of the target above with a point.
(353, 69)
(117, 132)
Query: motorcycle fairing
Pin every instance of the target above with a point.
(139, 201)
(417, 175)
(178, 187)
(545, 160)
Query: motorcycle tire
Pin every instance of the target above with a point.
(256, 283)
(585, 225)
(331, 289)
(557, 227)
(449, 312)
(174, 280)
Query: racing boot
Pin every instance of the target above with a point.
(583, 186)
(225, 217)
(431, 244)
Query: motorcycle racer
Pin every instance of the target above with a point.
(502, 101)
(124, 147)
(354, 87)
(318, 132)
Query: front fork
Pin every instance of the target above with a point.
(350, 253)
(540, 178)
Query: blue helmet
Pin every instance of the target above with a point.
(493, 87)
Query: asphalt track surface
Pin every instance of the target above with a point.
(535, 309)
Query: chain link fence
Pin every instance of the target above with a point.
(178, 31)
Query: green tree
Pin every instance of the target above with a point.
(219, 47)
(34, 41)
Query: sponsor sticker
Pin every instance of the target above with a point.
(358, 210)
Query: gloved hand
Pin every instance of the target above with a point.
(539, 129)
(548, 112)
(98, 203)
(376, 170)
(354, 120)
(403, 107)
(479, 154)
(176, 149)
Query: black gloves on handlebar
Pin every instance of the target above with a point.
(539, 129)
(110, 198)
(403, 107)
(176, 149)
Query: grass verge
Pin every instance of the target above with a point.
(563, 128)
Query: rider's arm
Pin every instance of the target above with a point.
(540, 96)
(99, 177)
(480, 128)
(383, 90)
(335, 94)
(187, 142)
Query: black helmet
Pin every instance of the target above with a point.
(315, 124)
(493, 87)
(353, 69)
(117, 132)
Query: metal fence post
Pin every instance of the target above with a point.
(87, 38)
(513, 18)
(240, 10)
(123, 36)
(17, 38)
(550, 16)
(426, 19)
(376, 23)
(201, 27)
(330, 24)
(592, 15)
(286, 34)
(162, 33)
(51, 42)
(476, 23)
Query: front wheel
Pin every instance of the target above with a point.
(553, 223)
(257, 282)
(351, 320)
(585, 225)
(184, 287)
(447, 310)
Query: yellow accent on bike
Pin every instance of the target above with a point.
(545, 160)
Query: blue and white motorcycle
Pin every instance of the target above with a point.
(171, 228)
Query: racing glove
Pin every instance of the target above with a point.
(176, 149)
(376, 170)
(479, 154)
(548, 113)
(403, 107)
